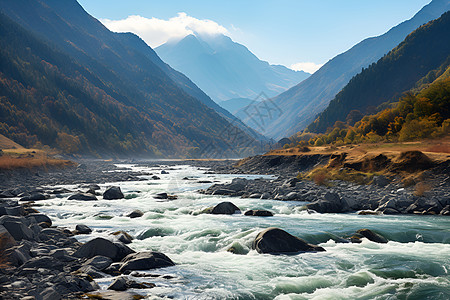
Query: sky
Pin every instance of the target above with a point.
(300, 34)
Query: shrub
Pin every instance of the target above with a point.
(422, 188)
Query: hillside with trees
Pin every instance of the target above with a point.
(421, 113)
(424, 50)
(67, 82)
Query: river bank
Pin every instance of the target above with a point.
(161, 210)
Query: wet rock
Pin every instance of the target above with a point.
(99, 262)
(368, 212)
(161, 196)
(45, 262)
(372, 236)
(225, 208)
(154, 177)
(123, 237)
(91, 271)
(445, 211)
(223, 192)
(331, 203)
(83, 197)
(258, 213)
(101, 246)
(50, 294)
(291, 196)
(135, 214)
(255, 196)
(277, 241)
(164, 172)
(113, 193)
(265, 196)
(39, 218)
(83, 229)
(34, 197)
(145, 261)
(119, 284)
(16, 227)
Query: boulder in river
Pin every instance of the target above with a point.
(372, 236)
(83, 197)
(113, 193)
(83, 229)
(258, 213)
(225, 208)
(145, 261)
(135, 214)
(161, 196)
(104, 247)
(331, 203)
(277, 241)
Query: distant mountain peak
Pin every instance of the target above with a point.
(225, 69)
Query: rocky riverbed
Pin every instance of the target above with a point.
(41, 260)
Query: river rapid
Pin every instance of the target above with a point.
(414, 264)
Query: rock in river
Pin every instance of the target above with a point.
(276, 241)
(225, 208)
(372, 236)
(145, 261)
(113, 193)
(104, 247)
(258, 213)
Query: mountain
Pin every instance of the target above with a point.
(68, 82)
(423, 51)
(421, 113)
(185, 83)
(302, 103)
(225, 69)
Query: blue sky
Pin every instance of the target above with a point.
(283, 32)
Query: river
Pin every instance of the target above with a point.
(414, 264)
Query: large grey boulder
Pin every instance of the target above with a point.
(40, 218)
(372, 236)
(83, 197)
(276, 241)
(225, 208)
(104, 247)
(135, 214)
(83, 229)
(17, 227)
(331, 203)
(258, 213)
(113, 193)
(145, 261)
(99, 262)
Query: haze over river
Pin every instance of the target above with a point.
(414, 264)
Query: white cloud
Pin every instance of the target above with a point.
(309, 67)
(156, 31)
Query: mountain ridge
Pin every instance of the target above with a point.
(174, 120)
(304, 101)
(225, 69)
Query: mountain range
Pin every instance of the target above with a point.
(422, 52)
(301, 104)
(66, 79)
(225, 69)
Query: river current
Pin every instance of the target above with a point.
(414, 264)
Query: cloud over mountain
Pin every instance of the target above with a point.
(156, 31)
(308, 67)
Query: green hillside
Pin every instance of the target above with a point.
(424, 50)
(72, 85)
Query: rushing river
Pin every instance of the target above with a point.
(415, 264)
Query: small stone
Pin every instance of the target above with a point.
(135, 214)
(83, 229)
